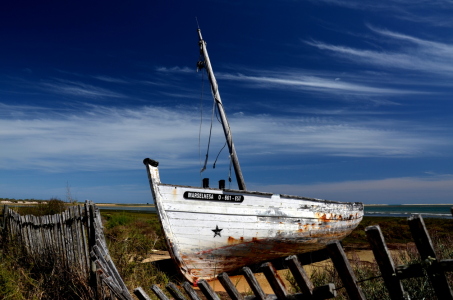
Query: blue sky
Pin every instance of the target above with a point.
(341, 100)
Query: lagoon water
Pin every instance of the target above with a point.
(427, 211)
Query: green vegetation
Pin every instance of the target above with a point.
(23, 278)
(51, 207)
(133, 237)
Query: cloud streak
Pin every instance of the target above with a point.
(414, 54)
(79, 89)
(388, 190)
(94, 138)
(298, 80)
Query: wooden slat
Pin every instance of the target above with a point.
(342, 265)
(426, 249)
(5, 214)
(190, 291)
(253, 283)
(300, 276)
(174, 291)
(229, 287)
(140, 294)
(207, 290)
(410, 271)
(324, 292)
(385, 262)
(274, 280)
(446, 265)
(158, 292)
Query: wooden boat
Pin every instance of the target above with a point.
(214, 230)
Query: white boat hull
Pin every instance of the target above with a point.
(210, 231)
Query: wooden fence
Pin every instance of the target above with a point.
(76, 237)
(392, 276)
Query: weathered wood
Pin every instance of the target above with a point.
(446, 265)
(385, 263)
(5, 214)
(253, 283)
(409, 271)
(229, 287)
(190, 291)
(425, 248)
(174, 291)
(324, 291)
(85, 249)
(274, 280)
(104, 257)
(342, 265)
(141, 294)
(206, 289)
(300, 276)
(158, 292)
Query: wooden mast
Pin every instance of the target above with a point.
(218, 101)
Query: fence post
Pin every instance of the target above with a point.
(253, 283)
(427, 254)
(141, 295)
(274, 280)
(207, 290)
(341, 263)
(5, 208)
(385, 263)
(155, 288)
(190, 291)
(299, 274)
(229, 287)
(174, 291)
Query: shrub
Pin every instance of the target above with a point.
(51, 207)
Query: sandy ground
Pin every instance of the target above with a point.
(242, 285)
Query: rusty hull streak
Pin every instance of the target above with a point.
(240, 251)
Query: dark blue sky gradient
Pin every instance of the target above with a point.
(344, 101)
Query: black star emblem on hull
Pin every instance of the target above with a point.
(217, 231)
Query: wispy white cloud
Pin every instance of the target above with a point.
(80, 89)
(412, 53)
(301, 81)
(175, 70)
(111, 79)
(103, 138)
